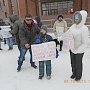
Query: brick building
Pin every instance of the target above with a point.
(45, 8)
(50, 8)
(8, 7)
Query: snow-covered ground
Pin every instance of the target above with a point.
(27, 78)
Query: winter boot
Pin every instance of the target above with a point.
(77, 79)
(40, 77)
(73, 76)
(48, 77)
(0, 49)
(19, 68)
(33, 65)
(10, 48)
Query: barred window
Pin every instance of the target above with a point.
(54, 8)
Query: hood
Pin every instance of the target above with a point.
(37, 18)
(83, 16)
(13, 18)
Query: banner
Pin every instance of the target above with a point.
(5, 31)
(44, 51)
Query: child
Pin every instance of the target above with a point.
(45, 38)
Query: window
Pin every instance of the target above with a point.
(54, 8)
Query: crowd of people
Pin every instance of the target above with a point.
(29, 32)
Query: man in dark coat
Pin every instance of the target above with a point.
(15, 28)
(27, 32)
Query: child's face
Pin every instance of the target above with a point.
(42, 31)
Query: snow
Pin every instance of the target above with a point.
(27, 78)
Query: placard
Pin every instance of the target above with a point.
(44, 51)
(68, 42)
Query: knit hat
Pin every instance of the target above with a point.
(44, 27)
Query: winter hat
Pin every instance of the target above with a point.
(44, 27)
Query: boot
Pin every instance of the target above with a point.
(77, 79)
(48, 77)
(73, 76)
(33, 65)
(0, 49)
(19, 68)
(10, 48)
(40, 77)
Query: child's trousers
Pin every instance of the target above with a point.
(42, 67)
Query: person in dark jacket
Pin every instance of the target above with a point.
(38, 21)
(15, 28)
(45, 38)
(27, 34)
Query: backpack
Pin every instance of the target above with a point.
(37, 39)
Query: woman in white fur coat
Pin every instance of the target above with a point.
(80, 34)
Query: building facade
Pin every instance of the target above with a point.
(45, 8)
(8, 7)
(3, 9)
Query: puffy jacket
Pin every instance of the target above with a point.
(80, 34)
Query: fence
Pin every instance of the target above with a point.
(69, 21)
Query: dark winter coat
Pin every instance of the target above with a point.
(15, 28)
(26, 34)
(46, 38)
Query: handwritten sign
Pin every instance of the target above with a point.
(68, 42)
(44, 51)
(5, 31)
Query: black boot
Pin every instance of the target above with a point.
(19, 68)
(40, 77)
(77, 79)
(33, 65)
(0, 49)
(10, 48)
(73, 76)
